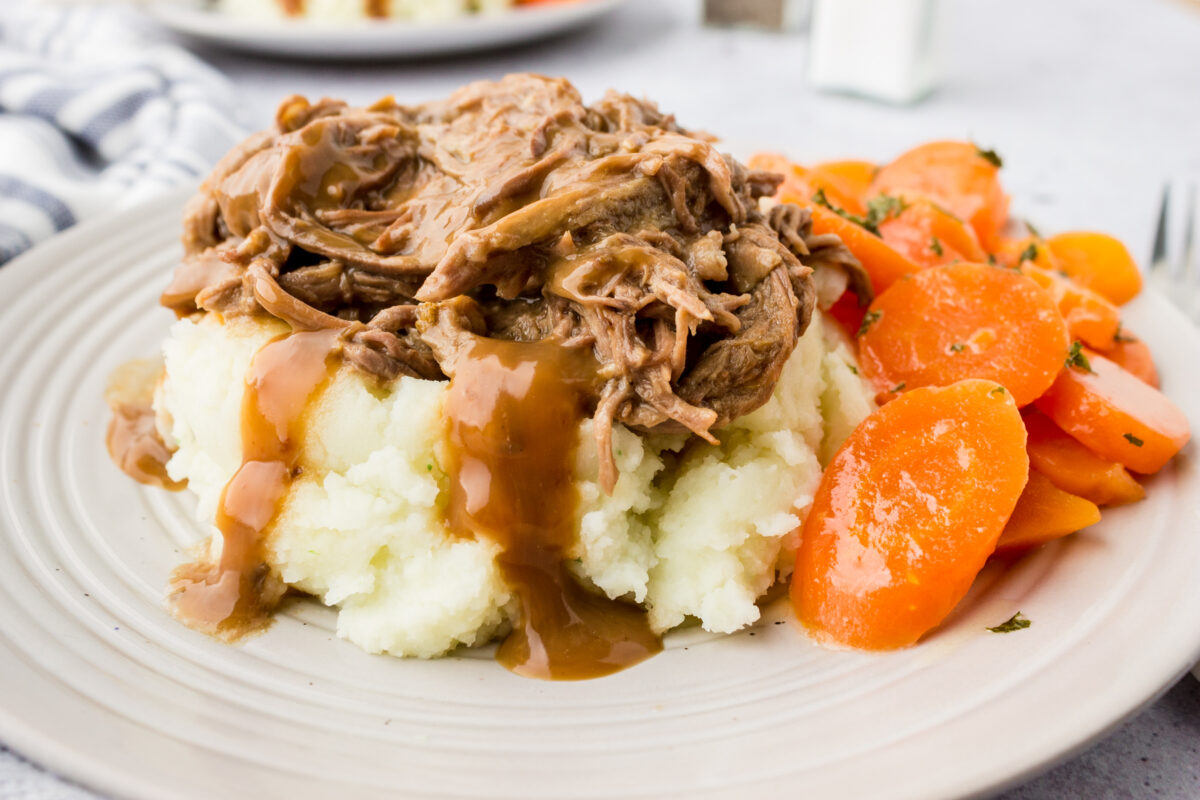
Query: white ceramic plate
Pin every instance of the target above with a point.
(101, 684)
(375, 38)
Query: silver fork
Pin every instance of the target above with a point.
(1175, 259)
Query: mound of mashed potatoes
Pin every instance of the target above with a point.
(690, 531)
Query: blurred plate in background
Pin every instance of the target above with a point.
(302, 38)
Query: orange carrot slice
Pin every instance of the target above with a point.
(1044, 513)
(907, 513)
(852, 178)
(1012, 253)
(1073, 468)
(1115, 415)
(848, 313)
(1090, 318)
(882, 263)
(960, 321)
(1132, 355)
(1098, 262)
(801, 183)
(929, 235)
(959, 175)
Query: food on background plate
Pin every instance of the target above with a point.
(508, 367)
(346, 10)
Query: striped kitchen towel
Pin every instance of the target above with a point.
(95, 115)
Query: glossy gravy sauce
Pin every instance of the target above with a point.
(376, 9)
(133, 441)
(513, 411)
(235, 593)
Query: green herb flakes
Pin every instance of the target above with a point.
(1133, 440)
(899, 387)
(990, 156)
(879, 210)
(1030, 253)
(936, 247)
(1014, 623)
(1076, 359)
(867, 321)
(957, 347)
(884, 207)
(997, 390)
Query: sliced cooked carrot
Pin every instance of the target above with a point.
(1115, 415)
(848, 313)
(929, 235)
(1012, 253)
(801, 183)
(882, 263)
(1132, 355)
(1073, 468)
(959, 176)
(1098, 262)
(907, 513)
(1044, 513)
(1090, 318)
(960, 321)
(852, 178)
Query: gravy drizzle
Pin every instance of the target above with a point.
(133, 440)
(513, 411)
(235, 594)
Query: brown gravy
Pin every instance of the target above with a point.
(133, 440)
(376, 9)
(513, 411)
(236, 594)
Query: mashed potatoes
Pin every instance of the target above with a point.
(690, 530)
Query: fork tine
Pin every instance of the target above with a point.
(1189, 277)
(1158, 253)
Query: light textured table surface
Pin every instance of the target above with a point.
(1092, 103)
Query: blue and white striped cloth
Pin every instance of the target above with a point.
(95, 116)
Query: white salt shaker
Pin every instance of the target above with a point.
(884, 49)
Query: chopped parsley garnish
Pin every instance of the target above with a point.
(936, 247)
(990, 156)
(1014, 623)
(1133, 440)
(853, 368)
(868, 320)
(820, 199)
(957, 347)
(997, 390)
(1028, 254)
(1076, 359)
(1123, 338)
(429, 467)
(991, 259)
(1031, 229)
(884, 207)
(899, 387)
(879, 210)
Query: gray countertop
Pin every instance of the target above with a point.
(1093, 104)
